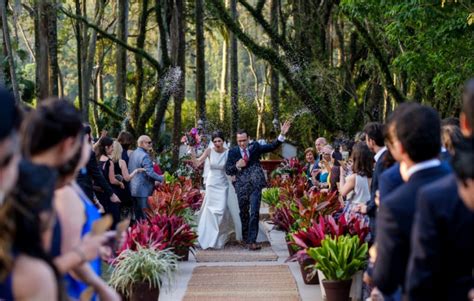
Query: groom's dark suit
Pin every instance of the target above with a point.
(248, 185)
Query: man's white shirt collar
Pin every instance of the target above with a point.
(379, 153)
(423, 165)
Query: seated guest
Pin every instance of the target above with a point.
(311, 164)
(417, 130)
(441, 259)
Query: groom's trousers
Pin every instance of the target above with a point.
(250, 215)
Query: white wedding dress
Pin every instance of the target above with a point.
(219, 216)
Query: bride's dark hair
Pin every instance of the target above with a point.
(218, 134)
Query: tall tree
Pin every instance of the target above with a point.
(9, 52)
(224, 74)
(41, 49)
(200, 66)
(178, 48)
(274, 79)
(234, 74)
(121, 56)
(52, 19)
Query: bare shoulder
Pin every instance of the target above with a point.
(33, 279)
(66, 198)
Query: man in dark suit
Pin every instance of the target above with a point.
(418, 142)
(243, 162)
(441, 260)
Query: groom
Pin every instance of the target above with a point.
(243, 162)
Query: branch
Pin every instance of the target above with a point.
(257, 15)
(260, 5)
(111, 37)
(383, 64)
(296, 82)
(106, 109)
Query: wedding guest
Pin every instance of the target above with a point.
(91, 176)
(319, 144)
(51, 135)
(104, 151)
(450, 136)
(122, 174)
(311, 164)
(126, 141)
(441, 261)
(417, 130)
(27, 271)
(141, 186)
(76, 215)
(358, 182)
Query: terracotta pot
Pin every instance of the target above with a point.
(290, 248)
(270, 165)
(305, 271)
(142, 291)
(183, 254)
(337, 290)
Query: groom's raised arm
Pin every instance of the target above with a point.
(230, 167)
(266, 148)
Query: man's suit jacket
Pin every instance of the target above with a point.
(394, 223)
(93, 173)
(389, 180)
(442, 249)
(142, 183)
(374, 185)
(250, 177)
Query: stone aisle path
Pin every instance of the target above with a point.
(277, 240)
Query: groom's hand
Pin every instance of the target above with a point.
(285, 127)
(241, 163)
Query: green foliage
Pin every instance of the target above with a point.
(271, 196)
(340, 258)
(143, 265)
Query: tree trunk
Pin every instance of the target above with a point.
(275, 80)
(52, 20)
(78, 33)
(224, 77)
(178, 51)
(139, 63)
(42, 48)
(7, 43)
(121, 56)
(234, 75)
(200, 66)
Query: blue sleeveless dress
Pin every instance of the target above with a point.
(6, 289)
(76, 287)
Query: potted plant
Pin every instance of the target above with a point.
(339, 259)
(139, 274)
(271, 197)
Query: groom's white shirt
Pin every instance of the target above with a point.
(280, 138)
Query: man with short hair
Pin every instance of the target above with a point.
(418, 143)
(441, 260)
(141, 186)
(319, 144)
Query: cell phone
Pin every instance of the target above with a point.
(345, 155)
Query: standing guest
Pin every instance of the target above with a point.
(76, 215)
(50, 136)
(122, 174)
(417, 130)
(359, 181)
(319, 144)
(141, 186)
(450, 136)
(375, 141)
(104, 151)
(441, 259)
(126, 140)
(91, 176)
(311, 164)
(27, 271)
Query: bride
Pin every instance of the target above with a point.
(219, 215)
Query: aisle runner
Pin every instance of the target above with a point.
(236, 253)
(234, 283)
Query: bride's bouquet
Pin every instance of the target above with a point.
(192, 138)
